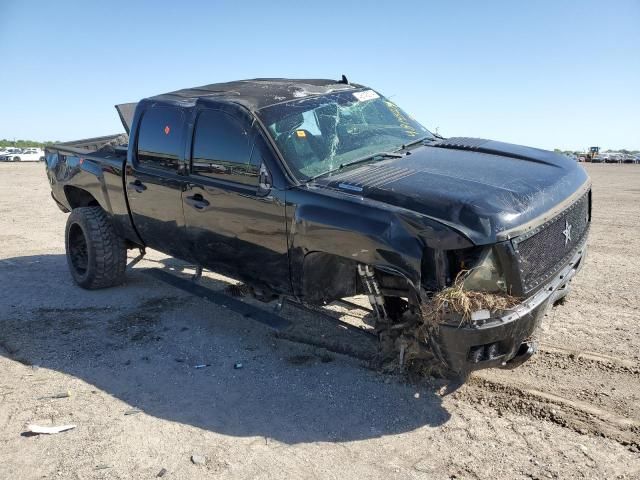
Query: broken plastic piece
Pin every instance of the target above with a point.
(66, 394)
(480, 315)
(49, 430)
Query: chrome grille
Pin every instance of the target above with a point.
(542, 252)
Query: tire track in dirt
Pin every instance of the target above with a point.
(617, 363)
(579, 416)
(587, 392)
(608, 385)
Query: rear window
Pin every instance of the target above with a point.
(160, 138)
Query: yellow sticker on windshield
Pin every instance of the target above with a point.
(301, 133)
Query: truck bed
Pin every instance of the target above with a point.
(83, 171)
(98, 146)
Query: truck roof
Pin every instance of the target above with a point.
(253, 94)
(258, 93)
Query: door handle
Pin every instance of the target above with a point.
(197, 202)
(138, 186)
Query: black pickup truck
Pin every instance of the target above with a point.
(321, 190)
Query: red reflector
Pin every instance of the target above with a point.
(167, 130)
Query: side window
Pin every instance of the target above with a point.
(159, 138)
(221, 149)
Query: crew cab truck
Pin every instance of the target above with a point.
(321, 190)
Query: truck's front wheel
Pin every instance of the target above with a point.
(96, 255)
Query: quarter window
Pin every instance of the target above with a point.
(159, 138)
(221, 149)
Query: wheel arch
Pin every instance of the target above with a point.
(326, 277)
(78, 197)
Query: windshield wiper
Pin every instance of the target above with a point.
(373, 156)
(415, 142)
(368, 158)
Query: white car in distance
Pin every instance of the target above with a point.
(26, 155)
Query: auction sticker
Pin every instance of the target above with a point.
(366, 95)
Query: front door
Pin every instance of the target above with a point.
(235, 223)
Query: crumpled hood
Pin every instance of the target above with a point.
(479, 187)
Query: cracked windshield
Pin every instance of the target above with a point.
(321, 134)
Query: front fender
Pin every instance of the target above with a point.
(361, 231)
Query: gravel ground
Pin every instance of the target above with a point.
(297, 409)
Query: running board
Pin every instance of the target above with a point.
(246, 310)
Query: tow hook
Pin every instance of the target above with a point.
(524, 353)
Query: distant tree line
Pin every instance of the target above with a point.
(24, 143)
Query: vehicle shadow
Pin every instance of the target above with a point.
(142, 342)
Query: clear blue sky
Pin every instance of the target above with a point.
(543, 73)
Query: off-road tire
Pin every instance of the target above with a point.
(96, 254)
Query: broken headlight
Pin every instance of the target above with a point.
(487, 276)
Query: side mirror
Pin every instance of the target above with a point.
(265, 182)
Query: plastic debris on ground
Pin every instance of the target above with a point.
(49, 430)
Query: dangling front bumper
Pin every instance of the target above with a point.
(505, 341)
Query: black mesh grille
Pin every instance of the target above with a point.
(543, 251)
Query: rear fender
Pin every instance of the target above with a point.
(89, 188)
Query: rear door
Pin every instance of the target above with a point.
(234, 217)
(155, 182)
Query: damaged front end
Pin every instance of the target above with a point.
(459, 330)
(480, 307)
(502, 338)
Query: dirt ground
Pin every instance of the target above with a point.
(304, 403)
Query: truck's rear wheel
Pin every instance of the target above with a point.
(96, 255)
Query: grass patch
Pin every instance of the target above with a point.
(455, 301)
